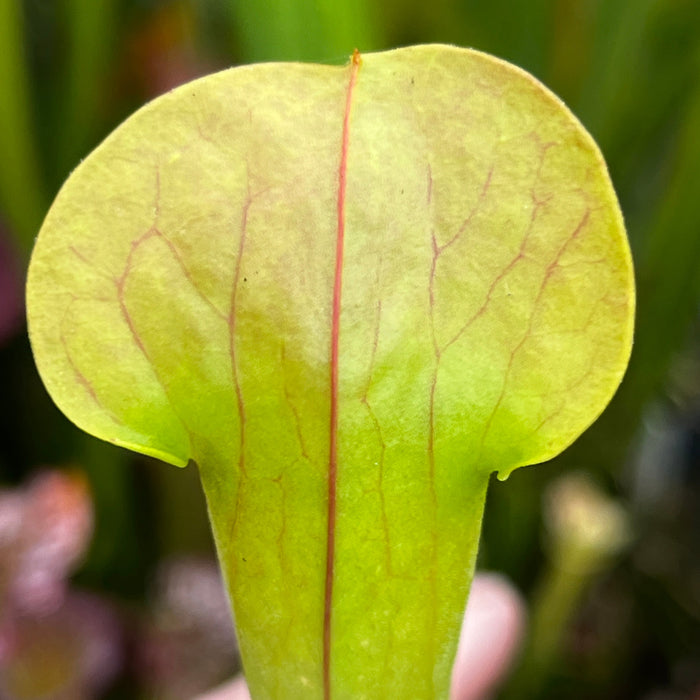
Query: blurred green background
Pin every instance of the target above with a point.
(622, 622)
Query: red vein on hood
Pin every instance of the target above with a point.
(335, 337)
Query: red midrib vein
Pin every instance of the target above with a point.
(335, 336)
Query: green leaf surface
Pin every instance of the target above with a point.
(349, 294)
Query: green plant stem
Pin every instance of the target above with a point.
(90, 46)
(620, 37)
(118, 554)
(586, 530)
(22, 196)
(668, 275)
(308, 30)
(553, 606)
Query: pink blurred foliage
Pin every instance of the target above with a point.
(45, 529)
(58, 643)
(55, 643)
(188, 643)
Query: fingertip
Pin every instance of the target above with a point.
(232, 690)
(492, 632)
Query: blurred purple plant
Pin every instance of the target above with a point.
(11, 289)
(55, 643)
(189, 644)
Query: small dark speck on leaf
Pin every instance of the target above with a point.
(245, 279)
